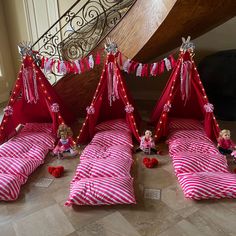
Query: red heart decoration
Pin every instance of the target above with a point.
(51, 169)
(145, 160)
(56, 171)
(154, 161)
(150, 163)
(60, 168)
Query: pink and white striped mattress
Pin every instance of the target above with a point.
(20, 167)
(187, 134)
(202, 171)
(95, 168)
(9, 187)
(206, 185)
(113, 152)
(102, 191)
(103, 175)
(184, 124)
(185, 162)
(192, 145)
(112, 137)
(118, 124)
(20, 156)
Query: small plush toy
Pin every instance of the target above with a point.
(225, 144)
(56, 171)
(147, 143)
(65, 143)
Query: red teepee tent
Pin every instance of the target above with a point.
(106, 106)
(184, 97)
(32, 100)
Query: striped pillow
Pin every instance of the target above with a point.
(112, 137)
(188, 134)
(37, 127)
(9, 187)
(93, 151)
(19, 167)
(37, 138)
(118, 124)
(102, 191)
(205, 185)
(192, 145)
(23, 150)
(195, 162)
(177, 123)
(12, 149)
(103, 168)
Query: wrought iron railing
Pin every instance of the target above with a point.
(80, 30)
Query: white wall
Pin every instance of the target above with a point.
(221, 38)
(16, 23)
(7, 75)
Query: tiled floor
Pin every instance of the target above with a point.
(41, 211)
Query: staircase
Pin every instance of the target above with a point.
(142, 29)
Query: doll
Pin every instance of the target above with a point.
(65, 143)
(225, 144)
(147, 144)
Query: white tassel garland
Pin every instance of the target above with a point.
(91, 61)
(139, 70)
(167, 64)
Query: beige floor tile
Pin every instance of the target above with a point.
(219, 217)
(49, 221)
(183, 228)
(112, 225)
(173, 196)
(151, 217)
(7, 230)
(207, 224)
(80, 216)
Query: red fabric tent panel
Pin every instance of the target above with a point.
(194, 107)
(190, 110)
(107, 112)
(103, 110)
(40, 112)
